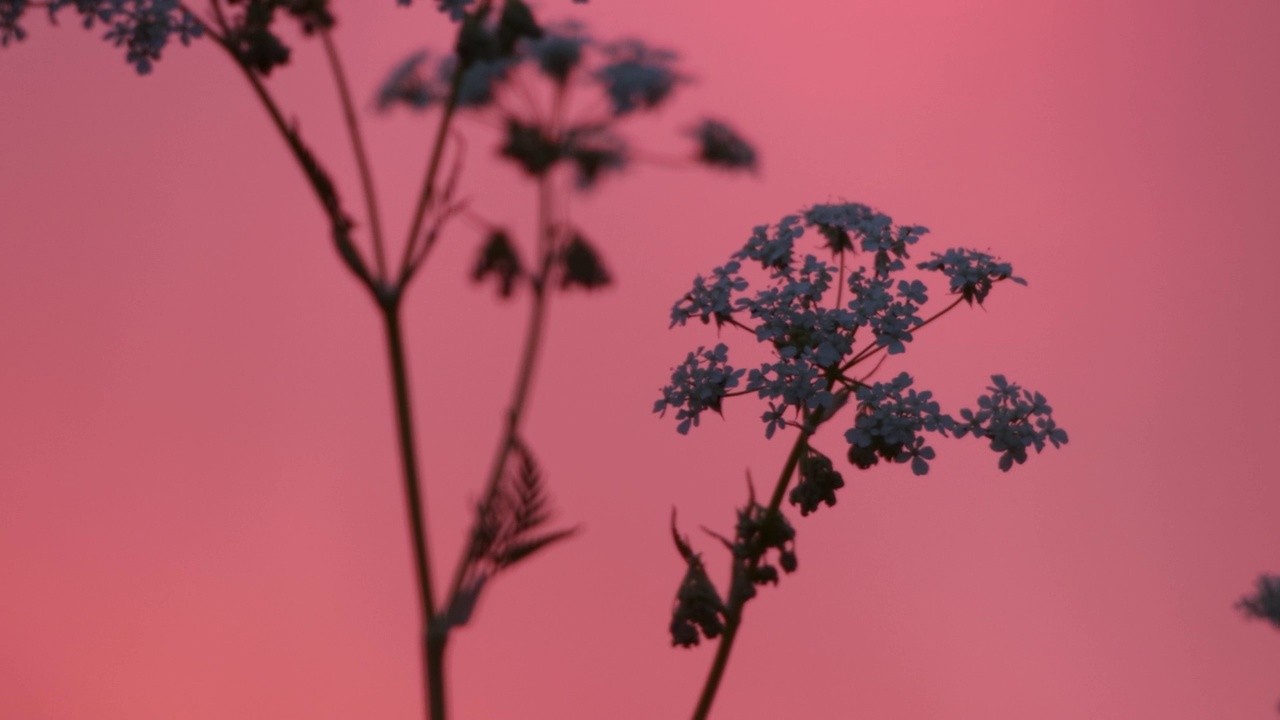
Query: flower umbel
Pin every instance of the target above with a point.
(699, 384)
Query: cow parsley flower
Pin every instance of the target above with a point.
(891, 416)
(142, 27)
(1013, 420)
(710, 301)
(773, 252)
(971, 272)
(698, 385)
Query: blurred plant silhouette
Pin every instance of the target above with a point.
(1264, 603)
(500, 49)
(821, 319)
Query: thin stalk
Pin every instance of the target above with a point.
(434, 656)
(737, 600)
(532, 343)
(357, 145)
(427, 193)
(320, 182)
(840, 285)
(528, 361)
(433, 643)
(388, 298)
(733, 611)
(433, 168)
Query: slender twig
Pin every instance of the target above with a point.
(540, 284)
(433, 167)
(448, 210)
(743, 571)
(840, 285)
(427, 193)
(388, 299)
(733, 611)
(319, 180)
(433, 643)
(357, 145)
(522, 88)
(432, 235)
(661, 160)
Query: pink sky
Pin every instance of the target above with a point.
(200, 506)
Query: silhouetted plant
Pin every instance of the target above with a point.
(495, 43)
(817, 338)
(1264, 603)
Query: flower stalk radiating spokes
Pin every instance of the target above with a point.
(816, 343)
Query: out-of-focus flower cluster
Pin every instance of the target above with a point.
(629, 75)
(457, 9)
(494, 69)
(254, 41)
(142, 27)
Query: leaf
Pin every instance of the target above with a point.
(525, 493)
(682, 544)
(519, 507)
(523, 549)
(582, 265)
(498, 257)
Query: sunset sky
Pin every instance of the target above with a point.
(201, 513)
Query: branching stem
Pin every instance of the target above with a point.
(357, 146)
(741, 572)
(540, 286)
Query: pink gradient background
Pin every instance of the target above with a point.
(200, 507)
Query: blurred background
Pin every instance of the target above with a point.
(200, 500)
